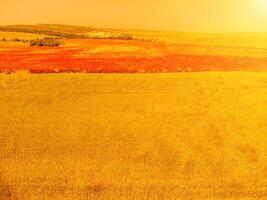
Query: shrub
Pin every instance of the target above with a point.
(126, 36)
(16, 40)
(121, 36)
(49, 42)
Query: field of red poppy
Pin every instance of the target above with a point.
(138, 55)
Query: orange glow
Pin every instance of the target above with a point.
(189, 15)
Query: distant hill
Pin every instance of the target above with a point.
(252, 40)
(59, 30)
(68, 31)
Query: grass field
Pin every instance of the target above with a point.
(133, 136)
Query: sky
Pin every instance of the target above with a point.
(177, 15)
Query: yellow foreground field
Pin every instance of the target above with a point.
(133, 136)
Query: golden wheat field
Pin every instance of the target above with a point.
(133, 136)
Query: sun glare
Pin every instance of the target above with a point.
(263, 5)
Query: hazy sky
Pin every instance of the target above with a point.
(180, 15)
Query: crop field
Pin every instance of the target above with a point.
(121, 132)
(19, 35)
(133, 136)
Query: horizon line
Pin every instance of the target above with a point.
(138, 29)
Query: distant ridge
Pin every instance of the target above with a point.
(59, 30)
(67, 31)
